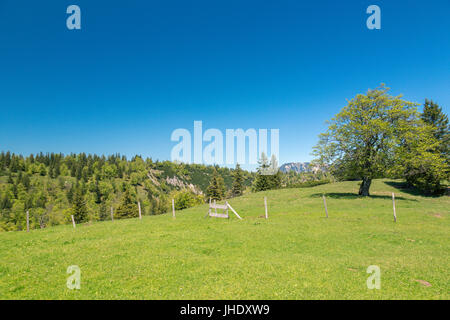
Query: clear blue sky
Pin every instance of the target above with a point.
(137, 70)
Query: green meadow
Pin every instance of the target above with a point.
(297, 253)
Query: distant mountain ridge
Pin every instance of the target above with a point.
(298, 167)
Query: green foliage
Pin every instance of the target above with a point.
(432, 115)
(377, 135)
(216, 189)
(426, 156)
(422, 163)
(186, 199)
(49, 181)
(159, 205)
(128, 207)
(309, 184)
(237, 188)
(268, 176)
(80, 213)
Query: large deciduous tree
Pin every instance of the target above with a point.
(370, 136)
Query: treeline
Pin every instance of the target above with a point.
(379, 135)
(54, 186)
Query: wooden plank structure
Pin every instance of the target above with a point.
(223, 207)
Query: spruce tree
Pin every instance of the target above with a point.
(275, 177)
(263, 180)
(216, 188)
(79, 207)
(103, 212)
(128, 207)
(237, 188)
(433, 115)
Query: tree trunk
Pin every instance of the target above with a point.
(364, 188)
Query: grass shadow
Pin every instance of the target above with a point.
(349, 196)
(404, 187)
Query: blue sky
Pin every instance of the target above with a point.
(137, 70)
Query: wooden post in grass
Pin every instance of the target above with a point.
(28, 221)
(209, 210)
(173, 208)
(325, 204)
(73, 221)
(139, 207)
(234, 211)
(393, 205)
(112, 214)
(265, 206)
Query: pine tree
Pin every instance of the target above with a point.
(237, 188)
(79, 207)
(426, 156)
(10, 179)
(216, 188)
(433, 115)
(128, 207)
(26, 181)
(263, 180)
(103, 212)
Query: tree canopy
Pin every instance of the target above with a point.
(373, 136)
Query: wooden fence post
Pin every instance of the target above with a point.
(28, 221)
(393, 205)
(112, 214)
(265, 206)
(325, 204)
(73, 221)
(226, 204)
(173, 208)
(209, 210)
(139, 207)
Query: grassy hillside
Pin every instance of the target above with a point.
(296, 254)
(45, 185)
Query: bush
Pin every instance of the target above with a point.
(185, 199)
(309, 184)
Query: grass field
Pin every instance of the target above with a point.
(296, 254)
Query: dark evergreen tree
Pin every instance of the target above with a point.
(216, 188)
(10, 179)
(128, 206)
(433, 115)
(263, 179)
(80, 213)
(103, 212)
(237, 188)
